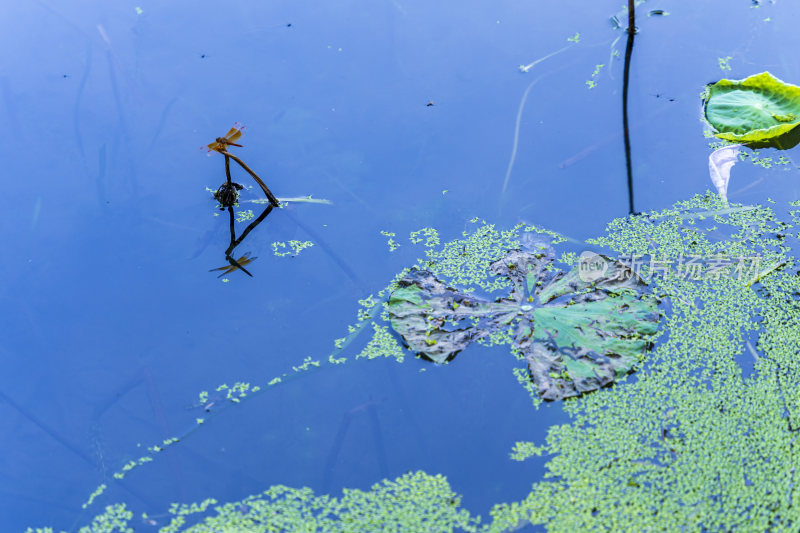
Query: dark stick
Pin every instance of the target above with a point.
(628, 51)
(235, 242)
(272, 199)
(631, 16)
(232, 228)
(228, 258)
(228, 170)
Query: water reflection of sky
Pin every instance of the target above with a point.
(112, 322)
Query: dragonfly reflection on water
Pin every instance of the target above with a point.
(236, 264)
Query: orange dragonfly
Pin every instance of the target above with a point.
(236, 264)
(221, 143)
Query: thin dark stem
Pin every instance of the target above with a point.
(232, 228)
(631, 16)
(235, 242)
(272, 199)
(626, 77)
(228, 171)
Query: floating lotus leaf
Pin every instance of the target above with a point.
(577, 332)
(757, 108)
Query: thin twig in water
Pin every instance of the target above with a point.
(752, 351)
(272, 199)
(529, 66)
(516, 132)
(228, 170)
(293, 199)
(611, 56)
(519, 119)
(236, 242)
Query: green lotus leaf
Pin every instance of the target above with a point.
(757, 108)
(577, 332)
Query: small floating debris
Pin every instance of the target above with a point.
(720, 163)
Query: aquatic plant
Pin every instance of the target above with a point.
(704, 439)
(291, 248)
(757, 108)
(577, 332)
(695, 443)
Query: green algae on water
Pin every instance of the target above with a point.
(290, 248)
(694, 443)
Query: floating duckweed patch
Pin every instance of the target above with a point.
(390, 242)
(115, 518)
(524, 450)
(244, 216)
(382, 344)
(413, 502)
(691, 444)
(290, 248)
(592, 83)
(465, 262)
(430, 234)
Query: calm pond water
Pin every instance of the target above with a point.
(112, 322)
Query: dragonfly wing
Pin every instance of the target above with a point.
(227, 271)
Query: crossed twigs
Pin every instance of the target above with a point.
(226, 194)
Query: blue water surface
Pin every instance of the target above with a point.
(112, 323)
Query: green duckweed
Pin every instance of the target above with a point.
(703, 439)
